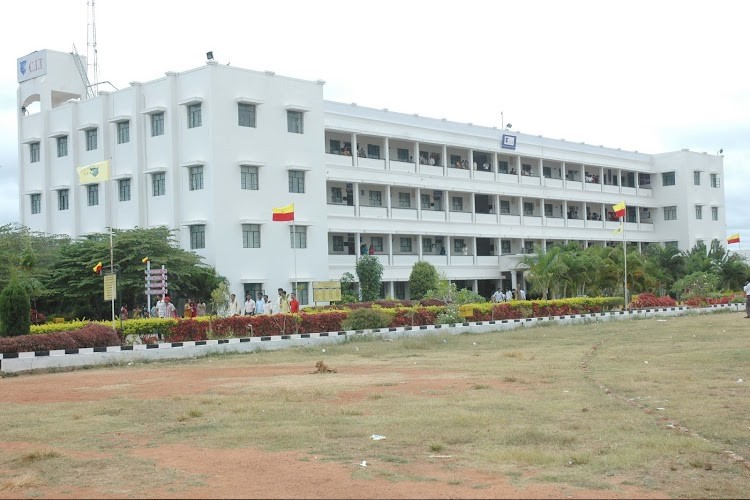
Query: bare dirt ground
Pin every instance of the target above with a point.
(251, 473)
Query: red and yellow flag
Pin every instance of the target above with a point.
(734, 238)
(283, 214)
(98, 268)
(619, 209)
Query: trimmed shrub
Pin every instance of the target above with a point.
(91, 335)
(148, 326)
(366, 319)
(15, 310)
(187, 329)
(423, 277)
(58, 327)
(329, 321)
(646, 300)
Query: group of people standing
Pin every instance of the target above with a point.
(499, 296)
(285, 303)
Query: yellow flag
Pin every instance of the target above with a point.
(96, 172)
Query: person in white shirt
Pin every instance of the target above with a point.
(508, 295)
(747, 299)
(249, 305)
(161, 308)
(497, 296)
(260, 305)
(268, 307)
(234, 306)
(522, 294)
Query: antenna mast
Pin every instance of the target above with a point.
(91, 53)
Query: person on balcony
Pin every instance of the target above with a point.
(371, 250)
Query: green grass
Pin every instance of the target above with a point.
(537, 404)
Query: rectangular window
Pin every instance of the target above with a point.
(528, 208)
(250, 235)
(377, 243)
(376, 199)
(197, 237)
(294, 122)
(424, 200)
(337, 195)
(157, 124)
(458, 246)
(123, 132)
(91, 138)
(62, 146)
(715, 180)
(298, 236)
(36, 203)
(63, 197)
(303, 294)
(296, 181)
(404, 200)
(457, 204)
(402, 154)
(405, 245)
(697, 178)
(338, 243)
(34, 152)
(699, 212)
(504, 206)
(548, 210)
(92, 191)
(373, 151)
(714, 213)
(249, 177)
(528, 247)
(399, 290)
(668, 179)
(426, 245)
(123, 186)
(196, 178)
(670, 213)
(246, 115)
(194, 115)
(159, 184)
(547, 172)
(334, 147)
(502, 167)
(505, 246)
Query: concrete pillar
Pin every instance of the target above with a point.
(387, 157)
(355, 150)
(355, 192)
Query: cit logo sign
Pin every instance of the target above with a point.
(509, 141)
(94, 171)
(22, 67)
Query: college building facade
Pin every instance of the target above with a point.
(211, 151)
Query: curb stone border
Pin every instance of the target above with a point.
(93, 356)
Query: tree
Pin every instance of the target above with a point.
(423, 277)
(15, 310)
(547, 270)
(348, 294)
(369, 272)
(73, 284)
(695, 285)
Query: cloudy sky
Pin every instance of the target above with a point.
(652, 76)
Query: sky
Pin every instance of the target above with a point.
(649, 76)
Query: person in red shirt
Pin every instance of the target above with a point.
(293, 304)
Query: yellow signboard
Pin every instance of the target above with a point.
(110, 287)
(326, 291)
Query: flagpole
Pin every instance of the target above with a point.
(111, 248)
(625, 260)
(294, 253)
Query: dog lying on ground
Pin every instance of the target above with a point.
(323, 368)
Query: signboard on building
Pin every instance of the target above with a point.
(110, 287)
(326, 291)
(509, 141)
(31, 66)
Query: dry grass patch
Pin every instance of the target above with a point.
(558, 412)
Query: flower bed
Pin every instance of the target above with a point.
(90, 335)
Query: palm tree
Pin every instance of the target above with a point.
(547, 270)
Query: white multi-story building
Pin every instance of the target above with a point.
(211, 151)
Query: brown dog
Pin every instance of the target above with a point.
(323, 368)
